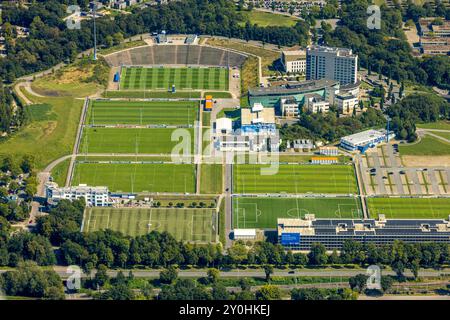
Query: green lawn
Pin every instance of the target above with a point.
(131, 140)
(142, 112)
(152, 94)
(183, 78)
(338, 179)
(265, 19)
(50, 133)
(127, 177)
(428, 146)
(263, 212)
(211, 179)
(442, 125)
(445, 135)
(410, 208)
(59, 173)
(196, 225)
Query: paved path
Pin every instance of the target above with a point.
(139, 273)
(76, 146)
(228, 203)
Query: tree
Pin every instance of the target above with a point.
(268, 292)
(168, 275)
(219, 292)
(213, 275)
(268, 270)
(101, 277)
(358, 282)
(317, 255)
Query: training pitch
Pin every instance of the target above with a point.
(263, 212)
(133, 140)
(196, 225)
(103, 112)
(337, 179)
(410, 208)
(135, 78)
(127, 177)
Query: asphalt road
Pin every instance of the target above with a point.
(62, 271)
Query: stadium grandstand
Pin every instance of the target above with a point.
(176, 55)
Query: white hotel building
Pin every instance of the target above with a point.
(94, 196)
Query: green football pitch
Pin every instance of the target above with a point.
(196, 225)
(338, 179)
(103, 112)
(410, 208)
(183, 78)
(127, 177)
(263, 212)
(132, 140)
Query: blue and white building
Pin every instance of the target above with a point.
(365, 139)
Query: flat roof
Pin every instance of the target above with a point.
(245, 232)
(294, 87)
(363, 136)
(267, 115)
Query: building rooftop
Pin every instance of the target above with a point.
(293, 55)
(363, 226)
(266, 115)
(340, 52)
(363, 136)
(294, 87)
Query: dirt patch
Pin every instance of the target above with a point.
(426, 161)
(49, 128)
(73, 75)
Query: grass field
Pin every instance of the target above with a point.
(442, 125)
(60, 171)
(265, 19)
(338, 179)
(427, 146)
(409, 208)
(142, 112)
(211, 179)
(125, 177)
(263, 212)
(196, 225)
(183, 78)
(130, 140)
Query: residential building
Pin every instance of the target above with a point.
(294, 61)
(94, 196)
(300, 234)
(337, 64)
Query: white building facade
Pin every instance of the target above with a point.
(331, 63)
(94, 196)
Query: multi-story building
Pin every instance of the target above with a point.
(300, 234)
(315, 104)
(346, 103)
(271, 96)
(94, 196)
(289, 107)
(294, 61)
(337, 64)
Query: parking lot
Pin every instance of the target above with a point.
(384, 174)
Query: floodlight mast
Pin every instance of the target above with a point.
(95, 31)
